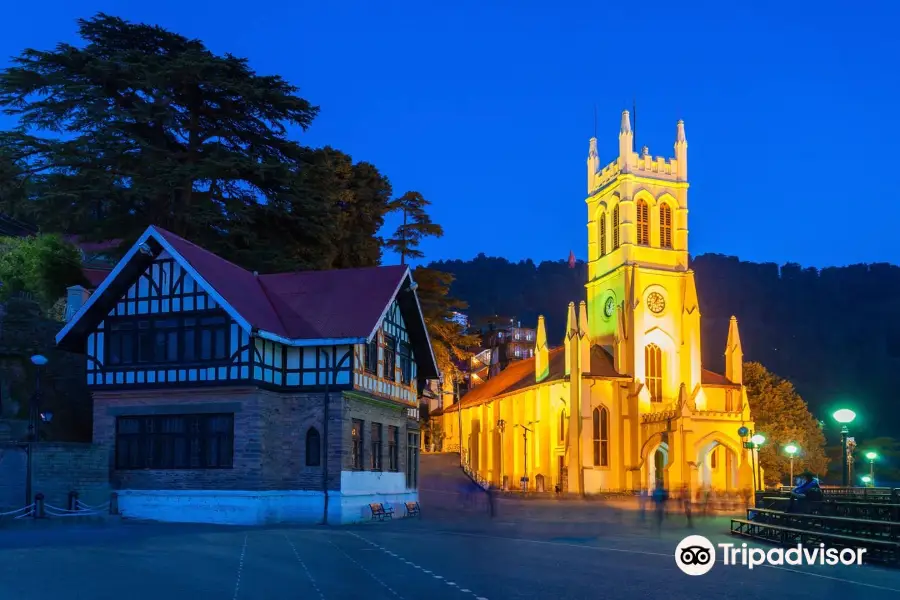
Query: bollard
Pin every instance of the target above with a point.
(39, 506)
(114, 503)
(73, 500)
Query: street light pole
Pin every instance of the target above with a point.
(791, 449)
(845, 416)
(34, 432)
(501, 425)
(872, 456)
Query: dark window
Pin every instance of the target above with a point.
(175, 442)
(665, 225)
(405, 363)
(313, 446)
(371, 356)
(643, 223)
(390, 351)
(615, 227)
(376, 447)
(150, 340)
(602, 236)
(601, 436)
(357, 442)
(393, 442)
(412, 462)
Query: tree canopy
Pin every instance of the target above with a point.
(144, 126)
(784, 418)
(41, 266)
(417, 224)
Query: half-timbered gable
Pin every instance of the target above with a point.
(386, 364)
(174, 314)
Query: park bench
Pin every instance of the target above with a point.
(882, 551)
(872, 511)
(865, 528)
(412, 509)
(380, 511)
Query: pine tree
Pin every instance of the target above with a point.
(417, 224)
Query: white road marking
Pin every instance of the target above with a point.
(426, 571)
(305, 568)
(365, 570)
(240, 569)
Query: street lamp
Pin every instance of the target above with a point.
(871, 456)
(866, 479)
(525, 431)
(845, 416)
(34, 419)
(791, 450)
(758, 439)
(501, 426)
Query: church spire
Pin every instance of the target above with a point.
(680, 151)
(584, 339)
(541, 354)
(593, 164)
(626, 142)
(734, 354)
(571, 341)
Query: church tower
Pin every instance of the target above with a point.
(641, 297)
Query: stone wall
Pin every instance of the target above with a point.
(63, 467)
(59, 468)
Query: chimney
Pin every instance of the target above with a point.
(76, 296)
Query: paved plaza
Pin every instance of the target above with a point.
(439, 558)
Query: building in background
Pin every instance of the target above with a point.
(231, 397)
(625, 404)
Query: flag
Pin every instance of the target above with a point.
(571, 259)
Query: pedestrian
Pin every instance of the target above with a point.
(686, 499)
(642, 502)
(660, 496)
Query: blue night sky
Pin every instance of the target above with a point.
(486, 108)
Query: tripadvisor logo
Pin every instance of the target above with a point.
(696, 555)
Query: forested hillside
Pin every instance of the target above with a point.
(832, 332)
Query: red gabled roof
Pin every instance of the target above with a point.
(344, 303)
(334, 304)
(712, 378)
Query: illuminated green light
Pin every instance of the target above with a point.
(844, 416)
(866, 479)
(871, 455)
(758, 439)
(791, 449)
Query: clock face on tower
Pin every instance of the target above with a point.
(609, 307)
(656, 303)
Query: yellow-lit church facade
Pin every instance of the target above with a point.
(624, 404)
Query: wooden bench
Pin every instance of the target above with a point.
(380, 511)
(882, 551)
(412, 509)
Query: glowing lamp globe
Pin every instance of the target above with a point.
(38, 360)
(743, 432)
(758, 439)
(866, 479)
(791, 449)
(844, 416)
(871, 455)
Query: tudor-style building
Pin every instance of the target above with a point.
(231, 397)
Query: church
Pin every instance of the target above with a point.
(625, 403)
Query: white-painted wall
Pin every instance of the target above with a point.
(228, 507)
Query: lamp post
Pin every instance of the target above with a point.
(791, 450)
(844, 416)
(758, 440)
(501, 425)
(871, 456)
(525, 432)
(34, 419)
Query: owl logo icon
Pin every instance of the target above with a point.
(695, 555)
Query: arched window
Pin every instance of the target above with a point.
(601, 437)
(615, 227)
(653, 365)
(602, 236)
(714, 458)
(643, 223)
(562, 426)
(313, 448)
(665, 225)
